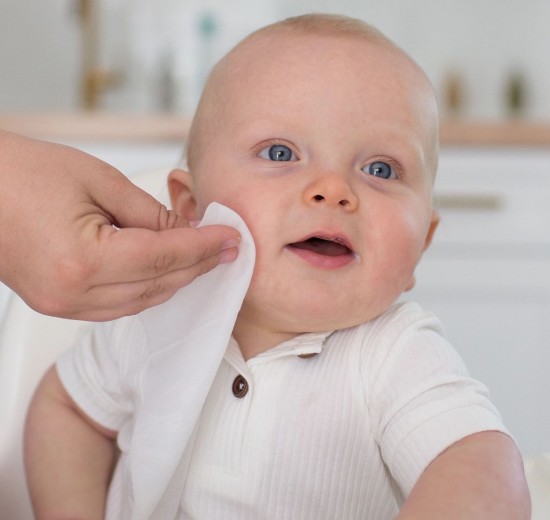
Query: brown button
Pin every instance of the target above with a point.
(307, 356)
(240, 387)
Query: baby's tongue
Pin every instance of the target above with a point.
(322, 247)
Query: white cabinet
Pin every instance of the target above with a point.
(487, 276)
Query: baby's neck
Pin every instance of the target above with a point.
(254, 339)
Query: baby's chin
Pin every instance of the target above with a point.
(286, 315)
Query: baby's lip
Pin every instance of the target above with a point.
(329, 244)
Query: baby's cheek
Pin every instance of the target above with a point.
(226, 196)
(404, 257)
(413, 230)
(204, 200)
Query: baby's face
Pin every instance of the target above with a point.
(326, 147)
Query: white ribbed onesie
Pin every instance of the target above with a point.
(343, 433)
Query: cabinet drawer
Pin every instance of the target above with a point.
(494, 197)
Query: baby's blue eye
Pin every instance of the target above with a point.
(277, 152)
(380, 169)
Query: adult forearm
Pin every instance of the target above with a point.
(480, 477)
(68, 461)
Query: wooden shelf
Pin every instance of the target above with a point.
(103, 126)
(98, 126)
(495, 133)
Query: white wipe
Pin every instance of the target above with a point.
(190, 334)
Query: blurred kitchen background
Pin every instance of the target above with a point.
(488, 59)
(120, 79)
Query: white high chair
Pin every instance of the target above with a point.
(29, 344)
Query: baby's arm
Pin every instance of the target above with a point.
(479, 477)
(68, 458)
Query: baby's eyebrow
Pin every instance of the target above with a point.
(413, 143)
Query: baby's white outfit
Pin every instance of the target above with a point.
(326, 425)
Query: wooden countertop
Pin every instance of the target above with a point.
(98, 126)
(102, 126)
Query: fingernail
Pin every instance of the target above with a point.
(194, 223)
(232, 242)
(228, 256)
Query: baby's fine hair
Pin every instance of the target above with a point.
(330, 25)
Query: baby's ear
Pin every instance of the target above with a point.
(429, 237)
(431, 231)
(180, 187)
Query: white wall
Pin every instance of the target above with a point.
(483, 40)
(39, 55)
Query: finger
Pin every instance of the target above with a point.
(130, 255)
(130, 206)
(122, 299)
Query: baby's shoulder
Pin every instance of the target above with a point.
(124, 341)
(404, 330)
(401, 318)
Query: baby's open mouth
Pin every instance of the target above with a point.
(323, 246)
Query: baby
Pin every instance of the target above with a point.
(332, 401)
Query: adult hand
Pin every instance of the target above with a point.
(78, 240)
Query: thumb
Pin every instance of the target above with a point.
(131, 207)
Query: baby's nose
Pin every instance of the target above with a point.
(332, 190)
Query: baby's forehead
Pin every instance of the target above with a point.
(275, 51)
(249, 66)
(275, 63)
